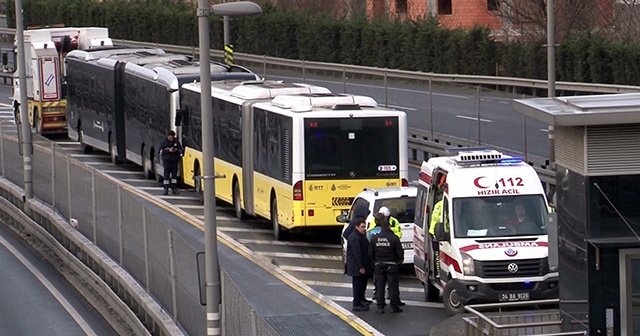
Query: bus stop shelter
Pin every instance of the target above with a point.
(597, 156)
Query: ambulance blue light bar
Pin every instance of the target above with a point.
(511, 160)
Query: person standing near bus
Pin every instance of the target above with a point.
(171, 153)
(387, 254)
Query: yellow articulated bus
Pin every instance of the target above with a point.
(295, 154)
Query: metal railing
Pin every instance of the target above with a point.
(504, 323)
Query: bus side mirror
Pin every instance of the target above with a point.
(440, 233)
(178, 121)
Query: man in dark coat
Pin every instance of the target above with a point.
(386, 252)
(171, 153)
(358, 264)
(360, 211)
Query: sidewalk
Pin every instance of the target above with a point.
(452, 326)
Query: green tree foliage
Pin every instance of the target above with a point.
(419, 45)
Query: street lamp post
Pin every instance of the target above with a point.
(24, 127)
(551, 80)
(212, 273)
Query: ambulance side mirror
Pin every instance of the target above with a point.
(440, 233)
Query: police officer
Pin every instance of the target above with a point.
(387, 254)
(171, 153)
(394, 224)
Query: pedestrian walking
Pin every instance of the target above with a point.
(359, 266)
(171, 153)
(386, 252)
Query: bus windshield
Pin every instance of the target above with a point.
(499, 216)
(352, 148)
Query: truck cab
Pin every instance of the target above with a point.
(487, 240)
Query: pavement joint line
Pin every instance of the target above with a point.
(311, 269)
(286, 243)
(408, 302)
(348, 285)
(298, 255)
(186, 206)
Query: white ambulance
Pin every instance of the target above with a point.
(489, 241)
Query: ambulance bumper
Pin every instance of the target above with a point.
(471, 292)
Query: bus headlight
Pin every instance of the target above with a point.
(468, 265)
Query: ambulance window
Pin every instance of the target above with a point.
(420, 208)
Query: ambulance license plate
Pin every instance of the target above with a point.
(514, 297)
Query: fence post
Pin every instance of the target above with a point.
(53, 175)
(69, 185)
(120, 233)
(145, 241)
(478, 112)
(431, 107)
(344, 79)
(2, 147)
(304, 71)
(95, 207)
(172, 271)
(386, 91)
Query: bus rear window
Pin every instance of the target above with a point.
(352, 148)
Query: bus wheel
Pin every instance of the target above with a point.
(279, 232)
(431, 293)
(198, 184)
(452, 304)
(86, 149)
(146, 170)
(112, 152)
(240, 214)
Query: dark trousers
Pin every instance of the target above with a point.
(359, 285)
(387, 275)
(170, 175)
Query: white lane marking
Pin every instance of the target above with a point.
(546, 130)
(6, 105)
(299, 255)
(126, 172)
(473, 118)
(311, 269)
(401, 107)
(378, 87)
(52, 289)
(286, 243)
(237, 229)
(87, 155)
(408, 302)
(185, 206)
(348, 285)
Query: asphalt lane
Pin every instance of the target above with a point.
(36, 299)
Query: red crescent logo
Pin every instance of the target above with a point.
(477, 182)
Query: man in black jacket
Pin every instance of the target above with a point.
(171, 153)
(386, 252)
(358, 264)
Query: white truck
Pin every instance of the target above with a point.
(489, 240)
(45, 49)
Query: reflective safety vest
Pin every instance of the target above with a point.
(394, 225)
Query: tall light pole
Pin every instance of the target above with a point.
(212, 272)
(24, 127)
(551, 79)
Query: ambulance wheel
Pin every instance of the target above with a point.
(431, 293)
(240, 214)
(279, 232)
(452, 304)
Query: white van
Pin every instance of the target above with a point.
(399, 200)
(490, 240)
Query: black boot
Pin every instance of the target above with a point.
(166, 191)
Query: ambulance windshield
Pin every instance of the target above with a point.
(500, 216)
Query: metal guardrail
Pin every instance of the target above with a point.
(419, 140)
(505, 323)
